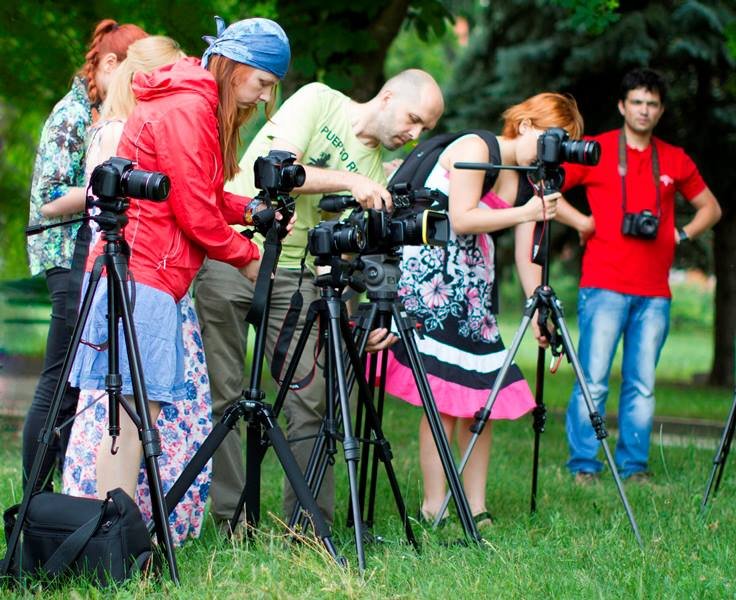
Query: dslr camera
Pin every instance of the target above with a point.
(644, 224)
(554, 146)
(116, 178)
(275, 175)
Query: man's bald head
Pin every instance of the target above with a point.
(411, 102)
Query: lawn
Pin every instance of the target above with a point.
(577, 545)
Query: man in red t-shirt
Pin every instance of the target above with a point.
(630, 241)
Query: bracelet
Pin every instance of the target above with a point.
(682, 235)
(250, 209)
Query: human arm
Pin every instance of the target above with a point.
(707, 214)
(59, 165)
(187, 150)
(568, 215)
(367, 192)
(70, 203)
(466, 214)
(530, 274)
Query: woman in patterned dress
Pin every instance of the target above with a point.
(184, 427)
(58, 173)
(449, 291)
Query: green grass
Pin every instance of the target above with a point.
(577, 545)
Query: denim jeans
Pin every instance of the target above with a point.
(604, 317)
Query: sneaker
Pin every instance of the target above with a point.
(640, 477)
(585, 478)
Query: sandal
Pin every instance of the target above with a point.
(426, 520)
(483, 519)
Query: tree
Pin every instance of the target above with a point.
(516, 52)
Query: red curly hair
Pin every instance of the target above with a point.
(108, 37)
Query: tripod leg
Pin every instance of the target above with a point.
(351, 448)
(596, 419)
(149, 434)
(435, 424)
(295, 477)
(383, 448)
(47, 432)
(539, 419)
(719, 460)
(484, 413)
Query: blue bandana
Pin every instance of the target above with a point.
(260, 43)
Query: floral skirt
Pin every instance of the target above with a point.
(183, 426)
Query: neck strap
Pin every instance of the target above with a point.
(622, 169)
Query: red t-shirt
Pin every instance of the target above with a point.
(621, 263)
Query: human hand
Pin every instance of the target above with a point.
(290, 224)
(380, 339)
(370, 194)
(542, 341)
(250, 271)
(543, 209)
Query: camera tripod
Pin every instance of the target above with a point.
(119, 308)
(262, 428)
(545, 301)
(719, 460)
(381, 277)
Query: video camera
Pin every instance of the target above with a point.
(275, 175)
(370, 231)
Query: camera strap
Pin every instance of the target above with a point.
(623, 169)
(281, 348)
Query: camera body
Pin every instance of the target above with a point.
(276, 172)
(554, 146)
(644, 224)
(116, 178)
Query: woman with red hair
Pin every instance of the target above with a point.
(450, 290)
(58, 173)
(186, 124)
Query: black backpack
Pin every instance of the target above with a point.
(419, 164)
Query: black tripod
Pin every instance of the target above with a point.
(545, 301)
(112, 219)
(381, 276)
(719, 460)
(262, 427)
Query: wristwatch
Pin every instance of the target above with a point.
(682, 235)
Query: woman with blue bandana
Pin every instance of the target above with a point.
(185, 124)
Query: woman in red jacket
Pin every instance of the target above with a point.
(185, 124)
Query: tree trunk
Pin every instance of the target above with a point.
(724, 248)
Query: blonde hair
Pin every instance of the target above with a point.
(544, 111)
(145, 55)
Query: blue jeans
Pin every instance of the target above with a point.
(604, 316)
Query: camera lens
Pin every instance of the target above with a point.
(348, 238)
(582, 152)
(148, 185)
(292, 176)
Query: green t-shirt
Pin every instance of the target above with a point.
(315, 120)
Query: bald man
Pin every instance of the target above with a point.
(338, 141)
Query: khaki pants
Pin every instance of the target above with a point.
(223, 297)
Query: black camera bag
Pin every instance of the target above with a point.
(105, 540)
